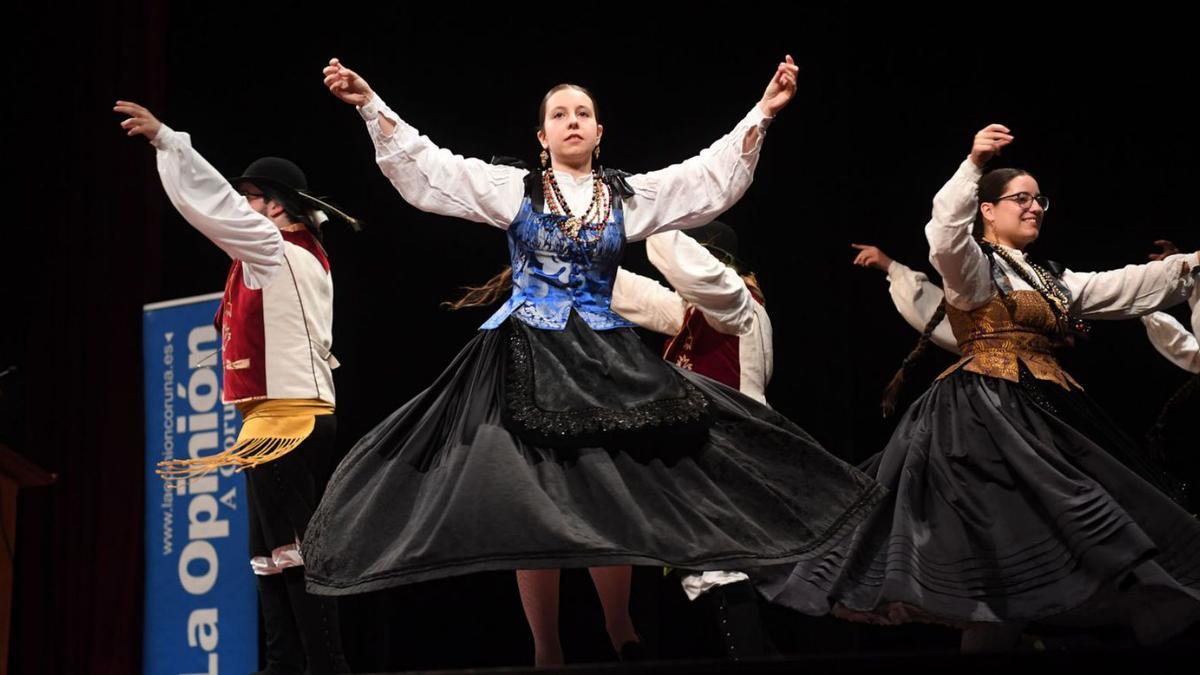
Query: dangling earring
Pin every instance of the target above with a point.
(596, 152)
(545, 157)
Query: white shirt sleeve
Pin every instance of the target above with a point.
(1173, 341)
(647, 303)
(767, 340)
(1133, 290)
(713, 287)
(438, 181)
(917, 298)
(697, 190)
(1194, 300)
(953, 251)
(210, 204)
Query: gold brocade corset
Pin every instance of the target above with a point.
(1010, 330)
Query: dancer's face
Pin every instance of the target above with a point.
(1010, 222)
(569, 130)
(258, 201)
(254, 197)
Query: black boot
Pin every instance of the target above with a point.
(285, 652)
(317, 617)
(738, 620)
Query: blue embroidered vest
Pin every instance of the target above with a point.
(554, 274)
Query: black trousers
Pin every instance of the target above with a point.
(282, 494)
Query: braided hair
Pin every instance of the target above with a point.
(1158, 431)
(892, 391)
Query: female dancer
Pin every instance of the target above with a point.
(1007, 504)
(556, 438)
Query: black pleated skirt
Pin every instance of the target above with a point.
(1009, 502)
(573, 448)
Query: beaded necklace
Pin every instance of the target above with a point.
(596, 216)
(1040, 281)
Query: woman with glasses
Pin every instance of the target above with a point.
(1013, 498)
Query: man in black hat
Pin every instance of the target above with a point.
(276, 321)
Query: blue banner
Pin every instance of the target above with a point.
(201, 607)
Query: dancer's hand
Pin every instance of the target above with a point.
(140, 121)
(989, 142)
(1168, 249)
(871, 256)
(781, 89)
(346, 84)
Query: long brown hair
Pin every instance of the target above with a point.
(751, 282)
(480, 296)
(1158, 431)
(499, 286)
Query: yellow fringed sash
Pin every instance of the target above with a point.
(271, 428)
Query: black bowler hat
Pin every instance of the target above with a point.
(285, 177)
(721, 240)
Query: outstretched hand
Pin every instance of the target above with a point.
(782, 87)
(140, 121)
(989, 142)
(871, 256)
(1168, 248)
(346, 84)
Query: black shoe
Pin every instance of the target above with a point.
(285, 652)
(320, 631)
(738, 620)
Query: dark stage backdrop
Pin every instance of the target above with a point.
(886, 110)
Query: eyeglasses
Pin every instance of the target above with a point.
(1026, 200)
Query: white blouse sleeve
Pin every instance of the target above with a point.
(953, 251)
(1133, 290)
(647, 303)
(1194, 300)
(438, 181)
(714, 288)
(1173, 341)
(917, 298)
(697, 190)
